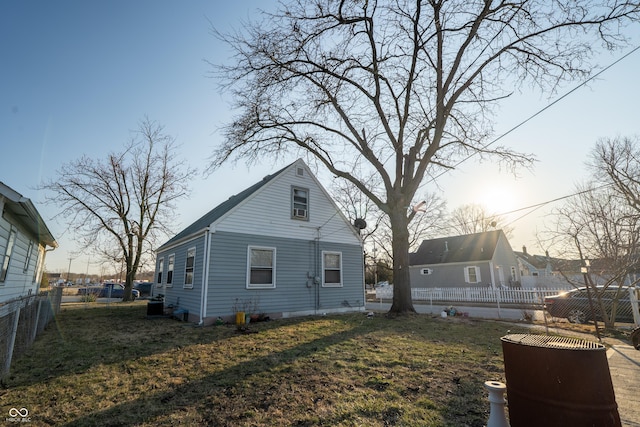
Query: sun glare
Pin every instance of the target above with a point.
(498, 200)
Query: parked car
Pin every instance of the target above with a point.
(575, 307)
(144, 288)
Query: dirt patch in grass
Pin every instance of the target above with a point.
(112, 366)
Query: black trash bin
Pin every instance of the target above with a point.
(557, 381)
(155, 308)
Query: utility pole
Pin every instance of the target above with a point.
(69, 269)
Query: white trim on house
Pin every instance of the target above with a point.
(271, 285)
(324, 270)
(186, 268)
(467, 275)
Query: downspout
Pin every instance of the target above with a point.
(318, 277)
(205, 276)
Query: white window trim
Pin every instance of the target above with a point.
(467, 278)
(5, 261)
(250, 285)
(293, 209)
(172, 270)
(193, 272)
(27, 259)
(332, 285)
(161, 271)
(37, 273)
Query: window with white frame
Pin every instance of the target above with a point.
(189, 266)
(331, 268)
(514, 275)
(160, 271)
(37, 272)
(261, 267)
(171, 262)
(7, 255)
(300, 203)
(472, 274)
(27, 259)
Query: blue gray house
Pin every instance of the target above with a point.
(280, 248)
(478, 259)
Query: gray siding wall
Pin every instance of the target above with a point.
(18, 281)
(176, 294)
(297, 262)
(449, 275)
(505, 258)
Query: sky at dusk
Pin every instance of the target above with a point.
(77, 77)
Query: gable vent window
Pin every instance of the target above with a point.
(300, 203)
(300, 171)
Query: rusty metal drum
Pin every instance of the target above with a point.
(558, 381)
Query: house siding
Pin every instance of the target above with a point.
(268, 212)
(263, 218)
(448, 275)
(18, 282)
(177, 295)
(452, 274)
(297, 263)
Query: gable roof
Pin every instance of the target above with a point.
(23, 210)
(465, 248)
(223, 208)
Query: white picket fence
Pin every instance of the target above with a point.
(474, 295)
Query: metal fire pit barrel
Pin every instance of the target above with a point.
(556, 381)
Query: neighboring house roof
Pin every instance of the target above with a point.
(539, 262)
(23, 210)
(466, 248)
(220, 210)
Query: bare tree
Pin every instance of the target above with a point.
(120, 206)
(599, 228)
(403, 89)
(473, 218)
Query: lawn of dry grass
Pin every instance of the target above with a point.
(111, 366)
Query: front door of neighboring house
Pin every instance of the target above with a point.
(501, 275)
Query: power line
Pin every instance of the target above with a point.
(522, 123)
(539, 205)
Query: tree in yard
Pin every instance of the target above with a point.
(602, 222)
(400, 89)
(473, 218)
(600, 229)
(119, 207)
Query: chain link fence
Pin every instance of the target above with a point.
(21, 321)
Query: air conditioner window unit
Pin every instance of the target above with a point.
(300, 213)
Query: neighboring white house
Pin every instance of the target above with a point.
(479, 259)
(279, 248)
(24, 238)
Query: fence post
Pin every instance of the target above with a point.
(497, 293)
(34, 332)
(12, 341)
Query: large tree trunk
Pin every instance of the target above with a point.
(402, 303)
